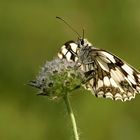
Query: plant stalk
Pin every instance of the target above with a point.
(71, 114)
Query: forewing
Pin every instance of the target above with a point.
(69, 51)
(110, 77)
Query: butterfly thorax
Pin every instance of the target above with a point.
(85, 49)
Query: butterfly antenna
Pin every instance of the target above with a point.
(69, 26)
(83, 35)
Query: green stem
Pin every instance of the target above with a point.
(71, 114)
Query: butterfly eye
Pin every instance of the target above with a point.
(82, 42)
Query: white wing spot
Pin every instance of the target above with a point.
(113, 83)
(109, 95)
(131, 80)
(102, 64)
(105, 59)
(119, 74)
(114, 75)
(100, 94)
(127, 69)
(64, 50)
(73, 47)
(106, 81)
(111, 57)
(60, 55)
(99, 84)
(132, 97)
(129, 94)
(118, 97)
(124, 97)
(68, 56)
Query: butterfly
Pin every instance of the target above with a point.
(106, 74)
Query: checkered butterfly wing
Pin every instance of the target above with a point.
(69, 51)
(106, 75)
(111, 77)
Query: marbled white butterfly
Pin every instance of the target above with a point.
(107, 75)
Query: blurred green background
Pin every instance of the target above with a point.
(30, 34)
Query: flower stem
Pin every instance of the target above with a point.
(71, 114)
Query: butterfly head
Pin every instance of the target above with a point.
(82, 42)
